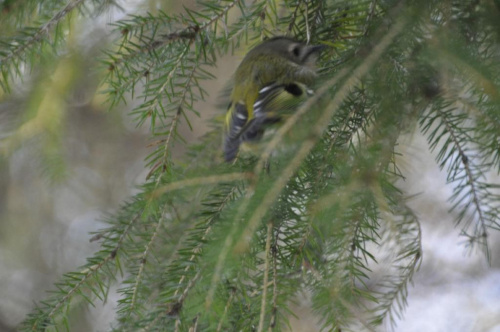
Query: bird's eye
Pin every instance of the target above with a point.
(296, 51)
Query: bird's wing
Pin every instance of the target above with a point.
(235, 122)
(275, 100)
(272, 102)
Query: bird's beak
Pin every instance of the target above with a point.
(317, 48)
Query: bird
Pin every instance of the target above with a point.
(269, 83)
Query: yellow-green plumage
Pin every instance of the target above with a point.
(272, 78)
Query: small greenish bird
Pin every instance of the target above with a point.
(272, 78)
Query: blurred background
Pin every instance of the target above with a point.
(55, 189)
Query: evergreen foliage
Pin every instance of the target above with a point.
(217, 247)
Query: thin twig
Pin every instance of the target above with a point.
(91, 270)
(266, 277)
(274, 251)
(204, 237)
(194, 328)
(142, 265)
(227, 246)
(43, 30)
(226, 308)
(373, 5)
(308, 32)
(189, 33)
(471, 180)
(294, 17)
(193, 256)
(175, 307)
(203, 180)
(355, 312)
(175, 120)
(408, 270)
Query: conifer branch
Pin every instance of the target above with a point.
(307, 145)
(142, 264)
(331, 193)
(164, 159)
(406, 263)
(197, 249)
(226, 308)
(189, 33)
(465, 160)
(194, 327)
(373, 6)
(173, 124)
(199, 181)
(41, 32)
(225, 250)
(168, 79)
(274, 309)
(267, 254)
(175, 308)
(294, 16)
(88, 273)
